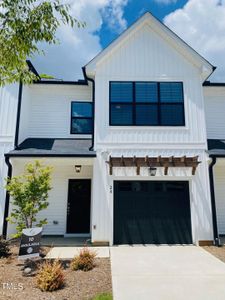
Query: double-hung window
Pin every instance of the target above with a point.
(81, 118)
(146, 104)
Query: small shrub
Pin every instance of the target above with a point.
(104, 296)
(85, 261)
(50, 276)
(4, 248)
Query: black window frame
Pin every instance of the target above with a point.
(72, 118)
(158, 104)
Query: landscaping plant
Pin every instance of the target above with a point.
(84, 261)
(50, 276)
(4, 248)
(29, 193)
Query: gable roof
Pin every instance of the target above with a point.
(206, 67)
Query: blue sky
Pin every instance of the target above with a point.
(200, 23)
(136, 8)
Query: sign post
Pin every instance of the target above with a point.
(30, 243)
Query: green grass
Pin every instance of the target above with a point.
(104, 296)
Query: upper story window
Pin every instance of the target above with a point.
(81, 118)
(146, 104)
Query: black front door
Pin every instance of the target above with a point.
(152, 212)
(78, 207)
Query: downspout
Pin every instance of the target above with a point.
(213, 202)
(16, 140)
(7, 198)
(93, 109)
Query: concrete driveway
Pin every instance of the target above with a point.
(166, 273)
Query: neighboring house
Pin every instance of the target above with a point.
(8, 113)
(214, 94)
(128, 143)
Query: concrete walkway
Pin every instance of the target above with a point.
(166, 273)
(70, 252)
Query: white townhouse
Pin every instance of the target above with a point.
(128, 143)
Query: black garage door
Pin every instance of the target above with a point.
(152, 212)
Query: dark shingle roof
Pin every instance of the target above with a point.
(54, 147)
(216, 147)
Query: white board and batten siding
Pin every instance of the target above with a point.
(46, 110)
(103, 194)
(8, 110)
(145, 56)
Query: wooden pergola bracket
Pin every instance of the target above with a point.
(155, 162)
(110, 166)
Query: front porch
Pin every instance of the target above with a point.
(70, 199)
(61, 241)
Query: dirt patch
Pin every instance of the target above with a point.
(79, 285)
(218, 252)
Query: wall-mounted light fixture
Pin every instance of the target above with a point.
(77, 168)
(152, 171)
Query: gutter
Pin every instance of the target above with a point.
(7, 198)
(93, 110)
(18, 115)
(60, 82)
(93, 154)
(213, 202)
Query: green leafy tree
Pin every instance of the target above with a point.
(46, 76)
(29, 193)
(23, 24)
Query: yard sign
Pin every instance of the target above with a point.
(30, 243)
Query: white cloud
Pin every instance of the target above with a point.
(166, 1)
(78, 46)
(201, 23)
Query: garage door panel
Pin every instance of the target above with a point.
(151, 212)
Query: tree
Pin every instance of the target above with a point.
(29, 193)
(23, 24)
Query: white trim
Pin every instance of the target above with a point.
(151, 146)
(6, 139)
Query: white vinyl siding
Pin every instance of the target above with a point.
(219, 180)
(215, 112)
(8, 111)
(49, 110)
(63, 170)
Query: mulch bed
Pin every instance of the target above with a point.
(79, 285)
(218, 252)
